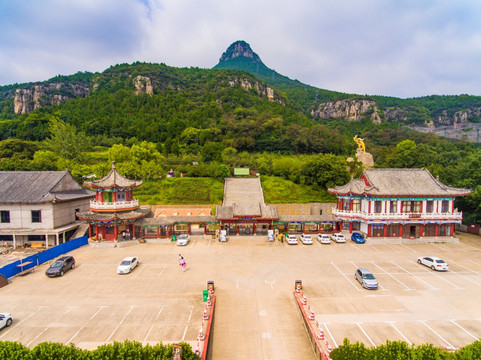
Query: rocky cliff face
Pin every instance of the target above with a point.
(240, 49)
(143, 85)
(37, 96)
(352, 110)
(262, 90)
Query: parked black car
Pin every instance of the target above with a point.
(60, 266)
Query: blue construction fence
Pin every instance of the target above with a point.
(31, 261)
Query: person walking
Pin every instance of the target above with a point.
(182, 262)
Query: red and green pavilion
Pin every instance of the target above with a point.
(114, 210)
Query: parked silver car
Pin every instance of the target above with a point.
(366, 279)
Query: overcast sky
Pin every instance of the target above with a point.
(397, 48)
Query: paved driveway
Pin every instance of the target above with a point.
(256, 314)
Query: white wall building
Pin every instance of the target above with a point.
(40, 207)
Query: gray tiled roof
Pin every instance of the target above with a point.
(391, 182)
(40, 186)
(113, 179)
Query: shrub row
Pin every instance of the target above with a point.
(127, 350)
(400, 350)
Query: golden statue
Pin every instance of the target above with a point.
(360, 144)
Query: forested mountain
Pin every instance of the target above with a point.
(320, 103)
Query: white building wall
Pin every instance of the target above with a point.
(21, 216)
(64, 212)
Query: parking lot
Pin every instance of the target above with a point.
(256, 314)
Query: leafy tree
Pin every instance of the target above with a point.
(45, 160)
(65, 140)
(21, 148)
(325, 170)
(119, 153)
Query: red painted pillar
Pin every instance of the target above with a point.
(350, 205)
(452, 229)
(350, 227)
(341, 202)
(368, 230)
(436, 230)
(255, 230)
(385, 231)
(114, 196)
(116, 229)
(369, 209)
(96, 231)
(400, 230)
(90, 230)
(421, 227)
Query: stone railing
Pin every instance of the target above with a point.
(118, 205)
(454, 215)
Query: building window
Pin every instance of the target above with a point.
(36, 237)
(377, 206)
(356, 205)
(445, 206)
(444, 230)
(430, 230)
(416, 207)
(406, 206)
(36, 216)
(5, 216)
(429, 206)
(393, 207)
(392, 230)
(346, 205)
(377, 230)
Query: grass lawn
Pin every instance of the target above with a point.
(181, 191)
(278, 190)
(188, 191)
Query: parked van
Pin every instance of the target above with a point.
(270, 235)
(223, 235)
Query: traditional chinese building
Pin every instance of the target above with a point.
(398, 203)
(114, 210)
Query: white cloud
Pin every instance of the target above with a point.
(404, 49)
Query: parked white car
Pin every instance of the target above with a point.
(323, 238)
(5, 320)
(183, 240)
(338, 237)
(127, 265)
(306, 239)
(434, 263)
(291, 239)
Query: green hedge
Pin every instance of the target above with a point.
(400, 350)
(127, 350)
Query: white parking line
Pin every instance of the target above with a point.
(151, 326)
(469, 269)
(399, 332)
(393, 249)
(188, 322)
(100, 309)
(121, 322)
(411, 249)
(466, 331)
(74, 335)
(433, 272)
(162, 270)
(330, 335)
(407, 287)
(465, 278)
(360, 327)
(414, 276)
(355, 286)
(443, 339)
(36, 337)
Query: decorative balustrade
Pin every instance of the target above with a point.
(118, 205)
(398, 216)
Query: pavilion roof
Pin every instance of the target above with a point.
(398, 182)
(113, 180)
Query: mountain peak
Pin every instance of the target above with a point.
(240, 49)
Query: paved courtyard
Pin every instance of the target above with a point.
(256, 314)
